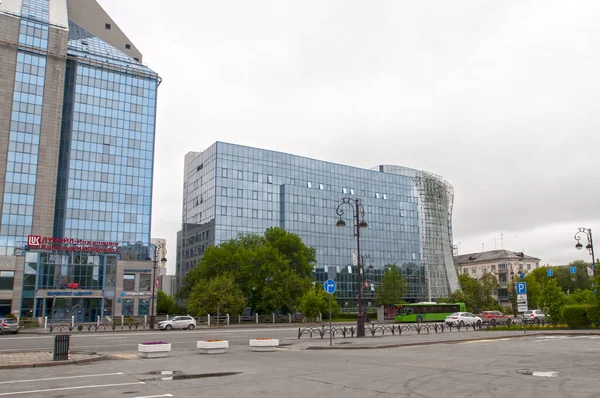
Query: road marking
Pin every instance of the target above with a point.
(481, 341)
(61, 378)
(545, 374)
(71, 388)
(157, 396)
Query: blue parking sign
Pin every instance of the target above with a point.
(550, 273)
(573, 269)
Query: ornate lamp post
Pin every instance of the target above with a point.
(359, 223)
(589, 246)
(158, 248)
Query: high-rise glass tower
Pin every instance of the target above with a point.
(77, 127)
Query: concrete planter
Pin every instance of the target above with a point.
(154, 350)
(213, 346)
(262, 345)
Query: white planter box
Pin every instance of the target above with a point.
(154, 350)
(264, 345)
(213, 347)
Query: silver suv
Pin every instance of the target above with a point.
(534, 316)
(179, 322)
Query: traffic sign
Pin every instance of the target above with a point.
(549, 273)
(573, 269)
(521, 297)
(522, 307)
(329, 286)
(521, 288)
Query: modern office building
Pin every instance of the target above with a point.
(77, 120)
(229, 189)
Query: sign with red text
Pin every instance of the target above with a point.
(70, 244)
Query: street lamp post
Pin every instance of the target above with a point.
(359, 222)
(158, 248)
(589, 246)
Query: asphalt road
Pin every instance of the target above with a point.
(534, 366)
(124, 342)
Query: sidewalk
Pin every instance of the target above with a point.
(42, 358)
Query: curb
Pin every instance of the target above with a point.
(53, 363)
(422, 343)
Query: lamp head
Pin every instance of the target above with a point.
(363, 225)
(578, 246)
(340, 223)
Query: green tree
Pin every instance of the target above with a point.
(393, 286)
(571, 282)
(273, 271)
(552, 299)
(581, 297)
(476, 294)
(218, 295)
(165, 304)
(534, 290)
(316, 301)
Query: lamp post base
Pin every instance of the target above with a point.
(360, 325)
(152, 320)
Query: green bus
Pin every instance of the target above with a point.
(427, 311)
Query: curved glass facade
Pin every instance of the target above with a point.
(234, 189)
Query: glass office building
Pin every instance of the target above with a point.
(229, 189)
(77, 167)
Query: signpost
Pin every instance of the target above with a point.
(521, 289)
(330, 287)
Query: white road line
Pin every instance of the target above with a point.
(157, 396)
(61, 378)
(70, 388)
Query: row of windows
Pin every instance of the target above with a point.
(492, 268)
(113, 85)
(85, 128)
(108, 206)
(145, 125)
(100, 167)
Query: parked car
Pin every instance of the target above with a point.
(178, 322)
(462, 319)
(495, 317)
(535, 316)
(9, 325)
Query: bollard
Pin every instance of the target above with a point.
(45, 322)
(256, 316)
(239, 319)
(167, 317)
(145, 320)
(208, 317)
(72, 321)
(290, 317)
(273, 317)
(122, 321)
(227, 319)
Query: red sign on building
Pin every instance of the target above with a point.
(70, 244)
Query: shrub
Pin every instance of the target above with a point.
(576, 315)
(593, 315)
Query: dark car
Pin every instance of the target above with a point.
(9, 325)
(494, 317)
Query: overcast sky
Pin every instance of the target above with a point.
(500, 97)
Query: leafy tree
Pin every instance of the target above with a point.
(165, 304)
(534, 290)
(393, 286)
(316, 301)
(476, 294)
(273, 271)
(571, 282)
(219, 295)
(581, 297)
(552, 299)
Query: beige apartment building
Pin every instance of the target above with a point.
(502, 263)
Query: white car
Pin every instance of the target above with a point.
(534, 316)
(179, 322)
(462, 319)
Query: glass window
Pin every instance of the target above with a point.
(255, 195)
(5, 307)
(269, 179)
(128, 282)
(344, 190)
(493, 268)
(240, 193)
(224, 191)
(240, 212)
(255, 177)
(127, 309)
(224, 173)
(269, 215)
(351, 191)
(6, 280)
(223, 210)
(295, 216)
(145, 280)
(309, 184)
(240, 175)
(321, 187)
(254, 213)
(377, 195)
(474, 270)
(384, 196)
(528, 267)
(269, 197)
(143, 307)
(465, 271)
(484, 269)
